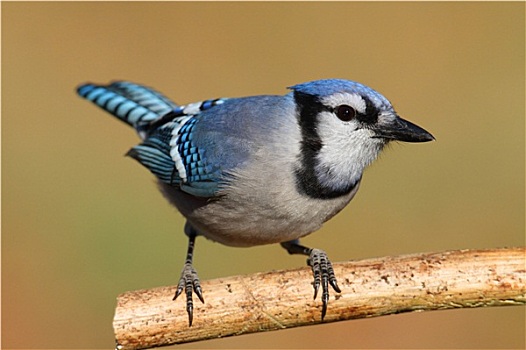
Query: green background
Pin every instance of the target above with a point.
(81, 223)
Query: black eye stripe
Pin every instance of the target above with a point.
(370, 116)
(371, 112)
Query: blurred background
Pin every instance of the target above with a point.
(82, 223)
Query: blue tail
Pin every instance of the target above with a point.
(134, 104)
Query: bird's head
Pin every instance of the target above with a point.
(344, 126)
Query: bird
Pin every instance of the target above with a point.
(257, 170)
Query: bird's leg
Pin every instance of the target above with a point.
(189, 280)
(321, 269)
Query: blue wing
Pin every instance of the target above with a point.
(170, 153)
(154, 154)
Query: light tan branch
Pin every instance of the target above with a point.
(283, 299)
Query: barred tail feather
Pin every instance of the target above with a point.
(134, 104)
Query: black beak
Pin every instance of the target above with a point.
(402, 130)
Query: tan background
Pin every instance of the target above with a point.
(82, 224)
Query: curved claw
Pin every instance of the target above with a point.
(189, 282)
(323, 275)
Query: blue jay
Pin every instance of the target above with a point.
(262, 169)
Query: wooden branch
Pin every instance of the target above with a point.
(283, 299)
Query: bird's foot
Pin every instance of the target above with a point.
(323, 274)
(189, 282)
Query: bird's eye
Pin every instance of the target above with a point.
(345, 112)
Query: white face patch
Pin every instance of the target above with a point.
(347, 150)
(354, 100)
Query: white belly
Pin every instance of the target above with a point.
(238, 219)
